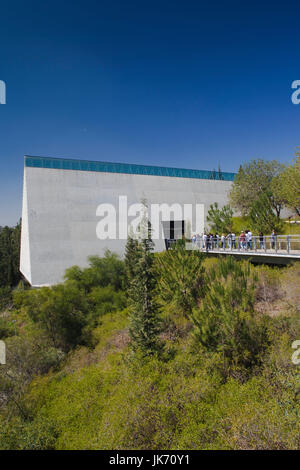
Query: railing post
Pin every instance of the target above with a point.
(288, 243)
(265, 243)
(254, 238)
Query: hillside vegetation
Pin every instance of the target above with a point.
(222, 378)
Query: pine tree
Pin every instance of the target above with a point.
(144, 312)
(220, 219)
(131, 259)
(226, 320)
(181, 280)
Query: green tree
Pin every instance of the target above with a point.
(61, 311)
(144, 312)
(220, 220)
(108, 270)
(262, 217)
(251, 181)
(180, 278)
(287, 185)
(10, 255)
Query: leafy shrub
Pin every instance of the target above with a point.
(102, 272)
(6, 328)
(61, 311)
(18, 434)
(106, 300)
(243, 416)
(26, 357)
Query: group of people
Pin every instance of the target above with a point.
(244, 241)
(210, 241)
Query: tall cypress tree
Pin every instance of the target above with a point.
(131, 259)
(144, 312)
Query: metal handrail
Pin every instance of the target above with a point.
(282, 244)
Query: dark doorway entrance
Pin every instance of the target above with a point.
(173, 231)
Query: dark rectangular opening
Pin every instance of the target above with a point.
(173, 230)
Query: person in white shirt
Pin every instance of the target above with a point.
(204, 240)
(223, 241)
(249, 239)
(233, 240)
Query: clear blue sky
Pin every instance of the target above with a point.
(172, 83)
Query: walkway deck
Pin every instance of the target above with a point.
(286, 249)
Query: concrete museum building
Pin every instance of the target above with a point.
(76, 208)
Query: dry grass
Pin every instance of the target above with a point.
(279, 290)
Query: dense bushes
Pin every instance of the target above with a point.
(68, 312)
(180, 279)
(229, 383)
(5, 297)
(6, 328)
(243, 416)
(61, 311)
(226, 321)
(39, 328)
(182, 403)
(103, 272)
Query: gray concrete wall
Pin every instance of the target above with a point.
(59, 213)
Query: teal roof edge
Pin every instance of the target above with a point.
(128, 168)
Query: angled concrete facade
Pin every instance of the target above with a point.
(61, 198)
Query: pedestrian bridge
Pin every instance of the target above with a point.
(278, 249)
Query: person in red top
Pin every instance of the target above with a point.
(243, 240)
